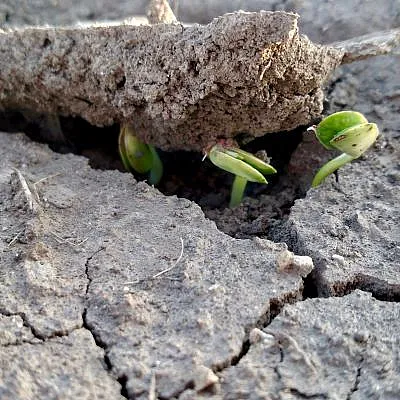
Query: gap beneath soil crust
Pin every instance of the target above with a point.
(185, 174)
(263, 213)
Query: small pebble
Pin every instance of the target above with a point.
(339, 259)
(288, 262)
(361, 336)
(257, 335)
(204, 378)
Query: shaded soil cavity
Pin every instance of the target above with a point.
(264, 208)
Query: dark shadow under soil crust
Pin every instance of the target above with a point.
(185, 173)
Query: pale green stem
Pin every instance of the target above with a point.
(330, 167)
(156, 171)
(237, 192)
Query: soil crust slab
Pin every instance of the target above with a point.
(180, 88)
(337, 348)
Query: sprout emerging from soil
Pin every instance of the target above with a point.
(138, 156)
(347, 131)
(245, 166)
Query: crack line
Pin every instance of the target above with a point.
(357, 380)
(275, 307)
(89, 279)
(122, 380)
(25, 323)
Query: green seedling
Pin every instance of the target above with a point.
(245, 166)
(347, 131)
(138, 156)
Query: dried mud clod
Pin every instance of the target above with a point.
(180, 88)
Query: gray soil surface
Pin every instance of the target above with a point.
(69, 367)
(337, 348)
(356, 240)
(109, 289)
(81, 249)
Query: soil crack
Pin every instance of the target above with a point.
(302, 395)
(88, 277)
(122, 380)
(25, 323)
(315, 285)
(357, 380)
(276, 306)
(34, 331)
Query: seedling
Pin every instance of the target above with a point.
(138, 156)
(245, 166)
(347, 131)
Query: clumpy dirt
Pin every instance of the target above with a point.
(296, 155)
(80, 248)
(250, 72)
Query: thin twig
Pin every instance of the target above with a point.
(161, 273)
(40, 181)
(152, 387)
(25, 189)
(173, 266)
(81, 242)
(61, 240)
(14, 239)
(46, 178)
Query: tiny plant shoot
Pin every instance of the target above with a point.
(138, 156)
(347, 131)
(245, 166)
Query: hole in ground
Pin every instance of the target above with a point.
(185, 174)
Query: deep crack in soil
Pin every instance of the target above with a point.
(357, 380)
(275, 307)
(122, 380)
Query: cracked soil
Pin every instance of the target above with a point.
(82, 316)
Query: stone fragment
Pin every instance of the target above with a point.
(257, 335)
(289, 262)
(159, 11)
(204, 378)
